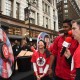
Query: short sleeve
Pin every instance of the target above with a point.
(55, 46)
(77, 60)
(33, 59)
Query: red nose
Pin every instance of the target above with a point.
(70, 32)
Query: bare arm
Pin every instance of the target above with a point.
(50, 71)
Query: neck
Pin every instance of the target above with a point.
(41, 50)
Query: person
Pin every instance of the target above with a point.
(25, 45)
(62, 68)
(76, 56)
(41, 60)
(16, 48)
(47, 40)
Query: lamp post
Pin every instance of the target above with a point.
(28, 12)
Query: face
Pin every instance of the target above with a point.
(40, 45)
(66, 28)
(46, 40)
(16, 41)
(76, 31)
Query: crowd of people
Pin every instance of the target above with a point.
(63, 65)
(48, 63)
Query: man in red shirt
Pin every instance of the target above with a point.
(76, 57)
(62, 69)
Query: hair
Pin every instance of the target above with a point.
(68, 21)
(47, 52)
(46, 36)
(77, 21)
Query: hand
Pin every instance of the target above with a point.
(67, 53)
(41, 76)
(50, 73)
(38, 77)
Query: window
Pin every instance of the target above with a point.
(32, 16)
(54, 25)
(38, 18)
(65, 6)
(66, 15)
(49, 1)
(43, 21)
(32, 20)
(65, 1)
(9, 7)
(17, 10)
(49, 10)
(45, 7)
(66, 11)
(46, 22)
(14, 31)
(49, 22)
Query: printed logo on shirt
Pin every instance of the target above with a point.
(41, 61)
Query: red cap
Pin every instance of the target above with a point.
(68, 39)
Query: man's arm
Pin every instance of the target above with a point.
(68, 56)
(51, 61)
(50, 70)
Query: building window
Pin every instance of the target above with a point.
(14, 31)
(48, 0)
(17, 10)
(32, 16)
(49, 10)
(66, 11)
(65, 1)
(38, 18)
(43, 21)
(66, 15)
(9, 7)
(65, 6)
(49, 22)
(46, 22)
(54, 25)
(45, 7)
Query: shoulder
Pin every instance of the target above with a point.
(58, 37)
(74, 41)
(35, 53)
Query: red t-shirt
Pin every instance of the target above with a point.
(75, 62)
(62, 67)
(76, 58)
(40, 60)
